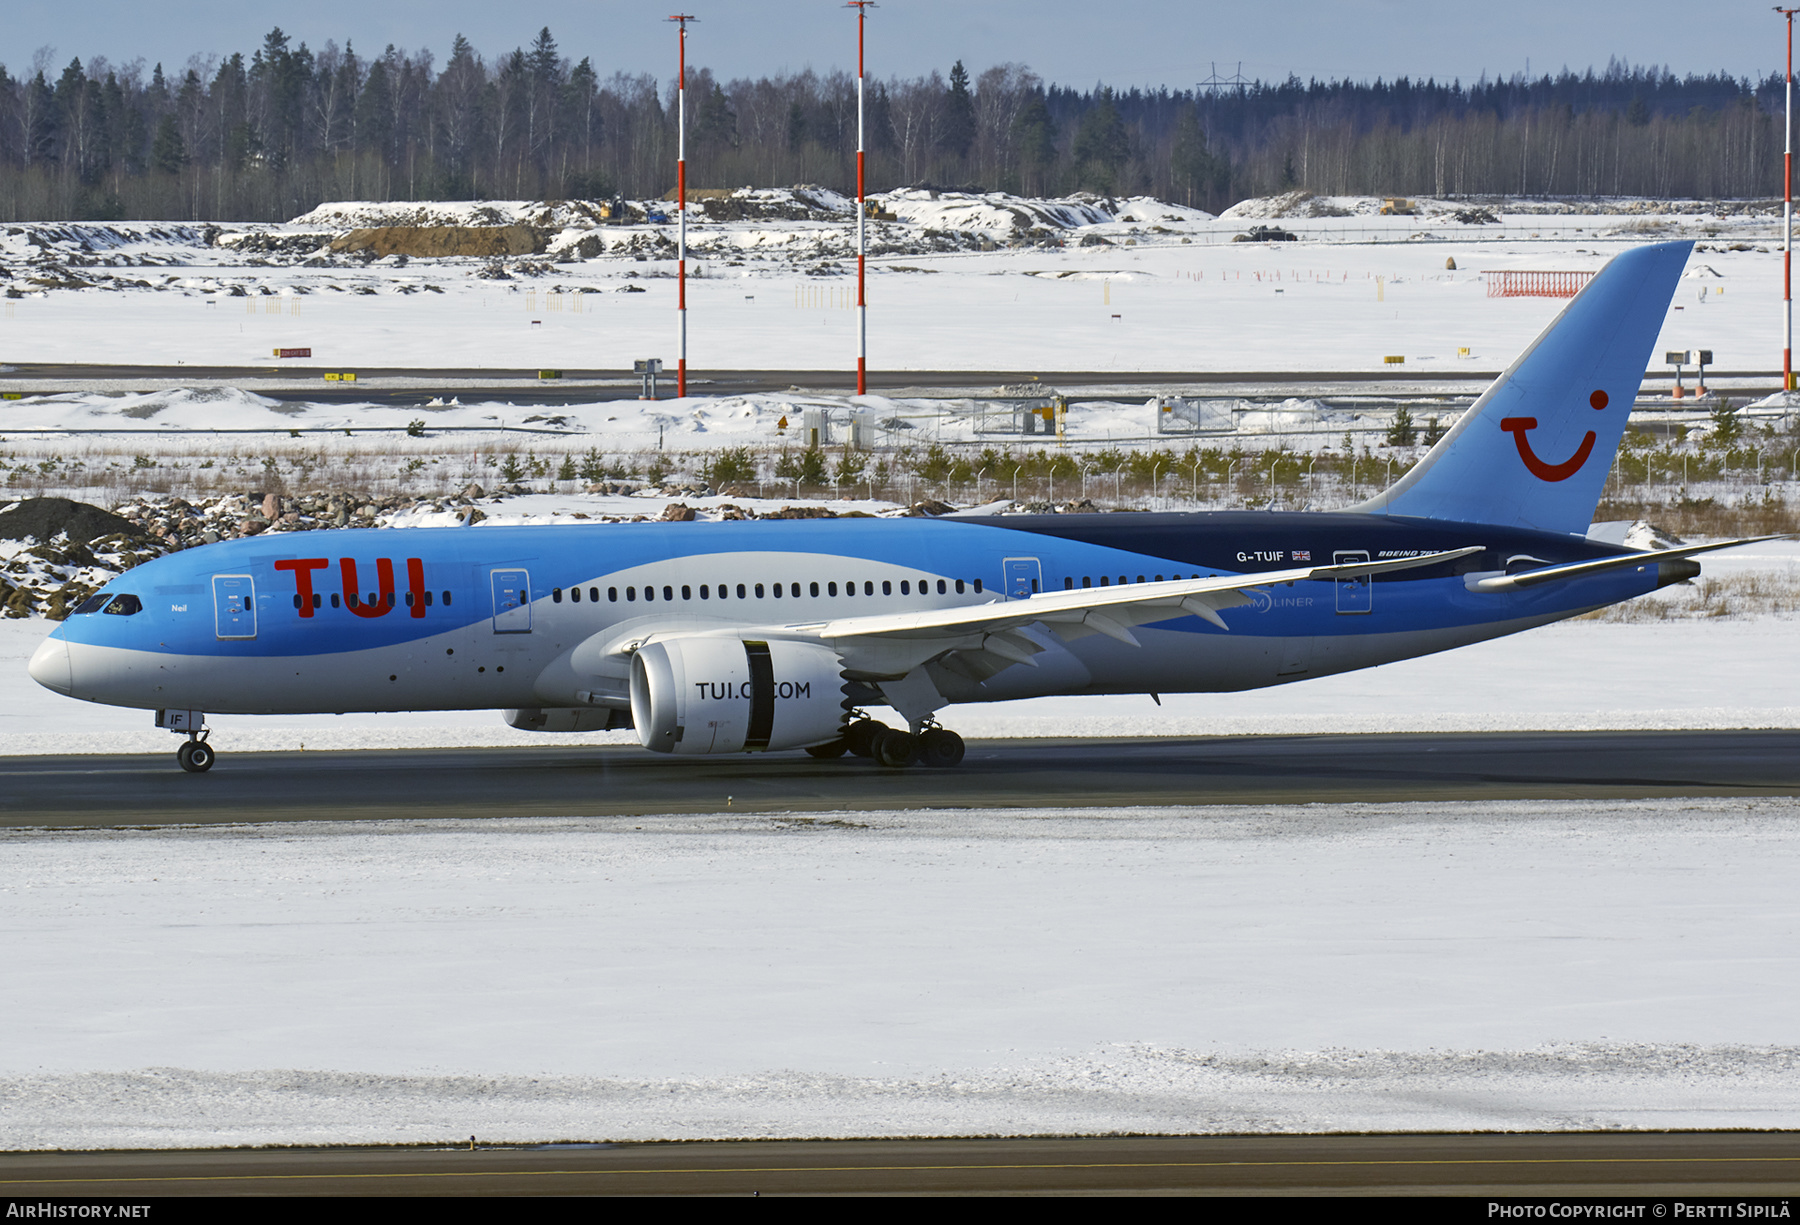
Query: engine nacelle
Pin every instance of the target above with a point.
(729, 695)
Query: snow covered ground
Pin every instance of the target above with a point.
(1161, 288)
(1334, 967)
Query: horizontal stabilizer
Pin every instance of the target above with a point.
(1579, 569)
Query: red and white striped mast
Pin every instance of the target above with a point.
(862, 211)
(681, 19)
(1787, 216)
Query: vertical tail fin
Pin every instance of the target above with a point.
(1535, 449)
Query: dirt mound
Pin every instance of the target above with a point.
(429, 241)
(43, 519)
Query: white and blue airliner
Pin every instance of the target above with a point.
(775, 634)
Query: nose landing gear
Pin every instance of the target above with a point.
(195, 755)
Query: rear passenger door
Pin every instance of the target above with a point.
(1354, 595)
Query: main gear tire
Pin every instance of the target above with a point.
(860, 736)
(896, 749)
(940, 748)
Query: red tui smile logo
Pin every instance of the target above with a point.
(1518, 427)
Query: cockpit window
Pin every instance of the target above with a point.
(124, 606)
(92, 604)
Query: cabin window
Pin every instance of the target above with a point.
(1068, 584)
(830, 588)
(447, 599)
(575, 595)
(759, 591)
(612, 594)
(794, 590)
(409, 598)
(427, 600)
(905, 587)
(741, 591)
(1086, 581)
(941, 586)
(1105, 581)
(705, 592)
(977, 586)
(814, 589)
(630, 594)
(555, 596)
(668, 593)
(687, 593)
(959, 587)
(887, 588)
(334, 599)
(777, 591)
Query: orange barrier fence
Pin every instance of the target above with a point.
(1521, 284)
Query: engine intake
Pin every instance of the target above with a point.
(728, 695)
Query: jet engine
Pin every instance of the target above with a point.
(729, 695)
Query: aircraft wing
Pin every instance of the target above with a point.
(893, 643)
(1579, 569)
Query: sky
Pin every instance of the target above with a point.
(1069, 42)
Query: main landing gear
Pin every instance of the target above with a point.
(889, 746)
(195, 755)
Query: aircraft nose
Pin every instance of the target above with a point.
(49, 665)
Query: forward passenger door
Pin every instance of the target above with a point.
(234, 605)
(1024, 577)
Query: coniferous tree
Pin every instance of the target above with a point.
(959, 114)
(168, 153)
(716, 123)
(1035, 134)
(1101, 146)
(1192, 166)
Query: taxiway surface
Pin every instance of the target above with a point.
(1645, 1164)
(600, 781)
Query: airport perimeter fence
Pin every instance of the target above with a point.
(1367, 230)
(1315, 455)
